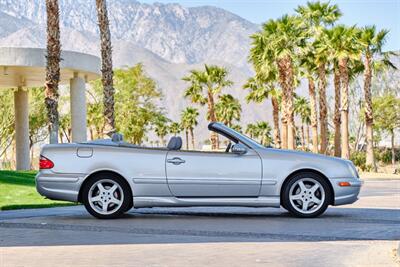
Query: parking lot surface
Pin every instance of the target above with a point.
(364, 234)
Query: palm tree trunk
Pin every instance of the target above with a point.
(187, 139)
(91, 133)
(344, 96)
(369, 119)
(286, 80)
(192, 137)
(307, 136)
(52, 68)
(323, 110)
(162, 141)
(336, 118)
(393, 152)
(106, 67)
(314, 120)
(275, 114)
(211, 112)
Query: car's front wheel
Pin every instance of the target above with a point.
(106, 196)
(306, 195)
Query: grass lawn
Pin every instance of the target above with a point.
(17, 191)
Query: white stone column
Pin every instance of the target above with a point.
(22, 129)
(78, 108)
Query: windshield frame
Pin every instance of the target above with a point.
(229, 133)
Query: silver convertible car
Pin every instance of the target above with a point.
(111, 176)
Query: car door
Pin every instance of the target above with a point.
(213, 174)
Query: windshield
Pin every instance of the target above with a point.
(248, 139)
(221, 129)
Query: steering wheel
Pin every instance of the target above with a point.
(228, 147)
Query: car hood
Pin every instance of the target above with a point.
(304, 155)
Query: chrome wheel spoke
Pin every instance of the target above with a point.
(115, 200)
(304, 206)
(302, 186)
(296, 197)
(95, 198)
(105, 206)
(101, 188)
(112, 189)
(316, 200)
(314, 188)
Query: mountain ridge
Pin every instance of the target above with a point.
(168, 39)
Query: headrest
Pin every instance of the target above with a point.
(175, 143)
(117, 137)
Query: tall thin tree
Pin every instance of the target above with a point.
(317, 16)
(204, 86)
(345, 47)
(106, 67)
(53, 68)
(277, 44)
(372, 42)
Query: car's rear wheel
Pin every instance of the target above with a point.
(306, 195)
(106, 196)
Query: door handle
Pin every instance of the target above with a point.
(176, 161)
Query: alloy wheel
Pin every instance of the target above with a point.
(307, 195)
(106, 196)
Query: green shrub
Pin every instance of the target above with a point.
(385, 156)
(359, 158)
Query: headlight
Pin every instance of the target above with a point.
(353, 170)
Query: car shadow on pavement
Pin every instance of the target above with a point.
(194, 225)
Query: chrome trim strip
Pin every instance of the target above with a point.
(216, 181)
(269, 182)
(150, 180)
(59, 179)
(262, 201)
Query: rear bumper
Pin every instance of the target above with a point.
(346, 194)
(58, 186)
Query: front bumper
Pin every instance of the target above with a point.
(346, 194)
(58, 186)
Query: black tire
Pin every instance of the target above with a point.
(127, 201)
(291, 205)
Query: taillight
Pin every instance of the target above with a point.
(45, 163)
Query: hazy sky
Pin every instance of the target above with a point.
(382, 13)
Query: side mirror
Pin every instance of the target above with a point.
(239, 149)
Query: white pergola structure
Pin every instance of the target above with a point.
(24, 68)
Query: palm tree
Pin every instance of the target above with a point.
(189, 121)
(372, 42)
(251, 130)
(259, 91)
(204, 86)
(175, 128)
(302, 108)
(106, 67)
(228, 109)
(161, 127)
(317, 16)
(344, 43)
(277, 45)
(263, 131)
(53, 68)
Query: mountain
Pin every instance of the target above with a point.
(175, 33)
(168, 39)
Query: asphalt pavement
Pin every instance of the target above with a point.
(362, 234)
